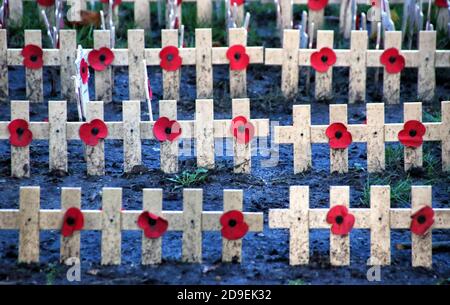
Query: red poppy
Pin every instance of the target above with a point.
(243, 130)
(412, 133)
(233, 225)
(338, 136)
(170, 58)
(238, 2)
(317, 5)
(340, 219)
(392, 60)
(32, 56)
(19, 133)
(441, 3)
(73, 221)
(166, 130)
(152, 225)
(238, 58)
(323, 59)
(84, 71)
(91, 133)
(422, 220)
(116, 2)
(100, 59)
(46, 2)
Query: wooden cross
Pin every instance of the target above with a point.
(205, 129)
(379, 218)
(112, 220)
(375, 133)
(232, 200)
(206, 56)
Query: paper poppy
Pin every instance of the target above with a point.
(233, 225)
(242, 130)
(422, 220)
(340, 219)
(238, 58)
(338, 136)
(100, 59)
(73, 221)
(152, 225)
(90, 133)
(32, 56)
(323, 59)
(166, 129)
(441, 3)
(238, 2)
(19, 133)
(84, 71)
(412, 133)
(116, 2)
(317, 5)
(392, 60)
(170, 58)
(46, 2)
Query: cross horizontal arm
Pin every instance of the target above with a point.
(284, 134)
(174, 218)
(211, 221)
(219, 57)
(222, 128)
(273, 57)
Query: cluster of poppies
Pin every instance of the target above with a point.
(234, 226)
(170, 59)
(154, 226)
(165, 129)
(410, 136)
(342, 221)
(325, 58)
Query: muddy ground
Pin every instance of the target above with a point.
(265, 255)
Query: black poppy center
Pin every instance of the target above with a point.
(70, 221)
(83, 70)
(169, 57)
(421, 219)
(20, 131)
(232, 222)
(168, 130)
(237, 56)
(102, 57)
(392, 59)
(33, 58)
(151, 222)
(339, 219)
(338, 134)
(324, 58)
(95, 131)
(412, 133)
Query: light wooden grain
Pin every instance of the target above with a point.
(203, 56)
(57, 144)
(132, 155)
(192, 233)
(29, 202)
(380, 233)
(111, 226)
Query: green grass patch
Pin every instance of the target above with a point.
(189, 178)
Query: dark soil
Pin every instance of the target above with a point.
(265, 255)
